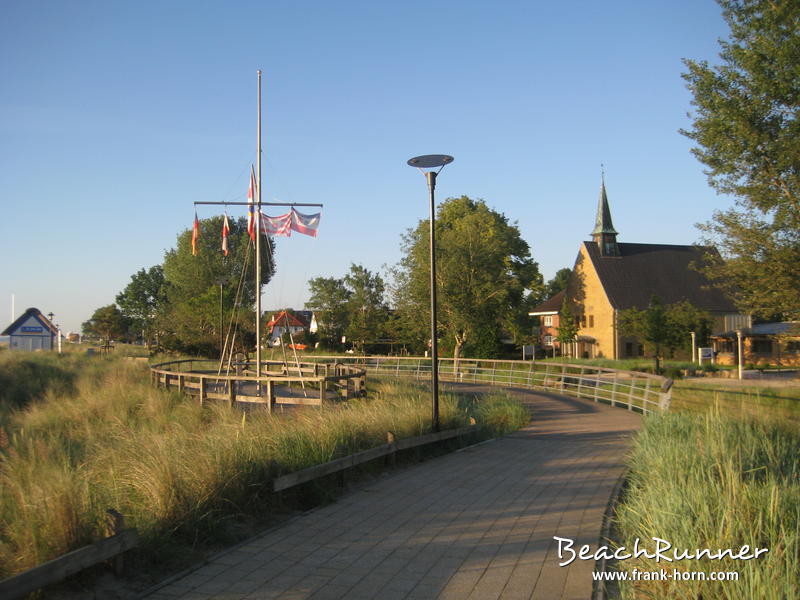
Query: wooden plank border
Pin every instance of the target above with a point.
(69, 564)
(340, 464)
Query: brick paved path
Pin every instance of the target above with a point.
(476, 524)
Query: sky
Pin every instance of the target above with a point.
(116, 116)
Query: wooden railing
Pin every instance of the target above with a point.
(119, 541)
(389, 449)
(306, 383)
(633, 390)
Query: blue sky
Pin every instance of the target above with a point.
(116, 116)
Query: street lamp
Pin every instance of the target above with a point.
(426, 164)
(739, 350)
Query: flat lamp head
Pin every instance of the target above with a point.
(430, 161)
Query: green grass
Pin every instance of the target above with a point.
(780, 403)
(715, 481)
(82, 434)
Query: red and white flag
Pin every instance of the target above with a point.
(251, 215)
(195, 234)
(306, 224)
(281, 225)
(225, 231)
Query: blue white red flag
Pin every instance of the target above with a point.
(305, 224)
(281, 225)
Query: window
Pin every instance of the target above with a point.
(641, 350)
(793, 346)
(583, 321)
(628, 348)
(548, 321)
(591, 321)
(727, 346)
(762, 347)
(548, 340)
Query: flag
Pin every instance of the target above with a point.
(251, 215)
(195, 234)
(281, 225)
(225, 231)
(306, 224)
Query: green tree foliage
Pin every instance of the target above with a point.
(567, 327)
(353, 306)
(557, 284)
(191, 316)
(142, 299)
(179, 301)
(366, 306)
(328, 299)
(484, 274)
(107, 323)
(664, 329)
(747, 132)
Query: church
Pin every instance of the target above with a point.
(610, 276)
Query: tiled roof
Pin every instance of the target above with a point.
(281, 319)
(551, 305)
(644, 270)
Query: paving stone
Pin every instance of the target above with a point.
(473, 524)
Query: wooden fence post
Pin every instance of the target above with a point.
(392, 456)
(115, 523)
(270, 395)
(231, 392)
(202, 390)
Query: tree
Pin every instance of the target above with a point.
(747, 131)
(557, 284)
(353, 306)
(567, 326)
(191, 316)
(665, 328)
(142, 299)
(366, 308)
(483, 271)
(328, 299)
(107, 323)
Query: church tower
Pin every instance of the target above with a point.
(604, 234)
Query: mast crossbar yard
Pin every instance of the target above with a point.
(256, 203)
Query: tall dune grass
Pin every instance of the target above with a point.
(179, 472)
(715, 481)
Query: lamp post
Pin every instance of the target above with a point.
(739, 350)
(426, 164)
(694, 346)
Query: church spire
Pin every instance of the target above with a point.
(604, 234)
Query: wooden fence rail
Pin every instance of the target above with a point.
(389, 449)
(62, 567)
(278, 383)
